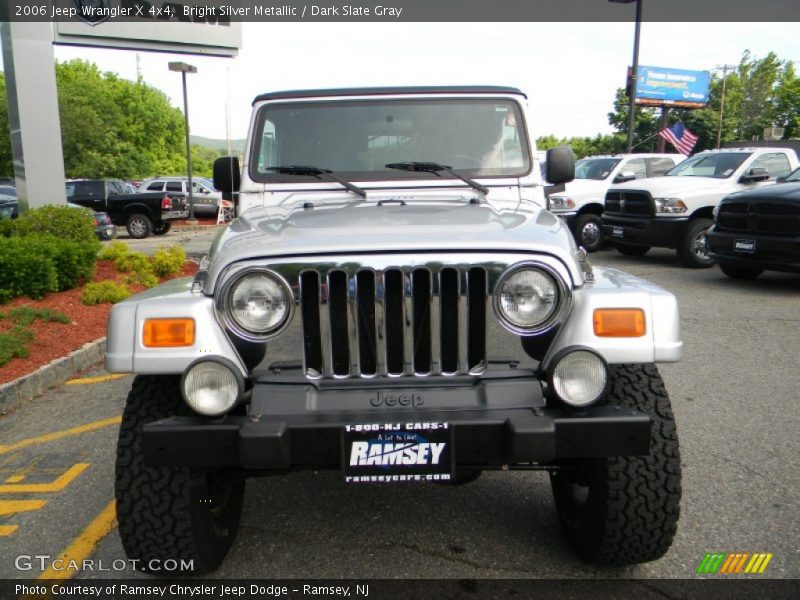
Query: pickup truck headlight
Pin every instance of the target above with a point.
(715, 212)
(558, 203)
(669, 205)
(529, 298)
(258, 304)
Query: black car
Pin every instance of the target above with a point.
(758, 230)
(104, 228)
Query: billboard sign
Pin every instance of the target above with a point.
(657, 86)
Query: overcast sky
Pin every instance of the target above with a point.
(570, 71)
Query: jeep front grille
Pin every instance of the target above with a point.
(394, 322)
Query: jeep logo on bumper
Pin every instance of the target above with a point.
(391, 400)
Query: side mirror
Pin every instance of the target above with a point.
(560, 165)
(227, 175)
(755, 174)
(624, 176)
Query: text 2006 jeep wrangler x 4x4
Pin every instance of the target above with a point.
(392, 301)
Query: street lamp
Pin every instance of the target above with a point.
(634, 77)
(183, 69)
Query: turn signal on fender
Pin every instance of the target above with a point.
(619, 322)
(168, 333)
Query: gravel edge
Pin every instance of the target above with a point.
(14, 393)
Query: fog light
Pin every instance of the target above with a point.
(211, 387)
(579, 377)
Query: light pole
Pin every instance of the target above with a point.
(634, 77)
(722, 100)
(183, 69)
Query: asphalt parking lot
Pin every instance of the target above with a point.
(735, 398)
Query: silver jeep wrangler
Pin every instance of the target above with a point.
(394, 302)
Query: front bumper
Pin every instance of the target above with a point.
(772, 253)
(106, 232)
(664, 232)
(495, 421)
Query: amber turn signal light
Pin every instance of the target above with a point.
(619, 322)
(168, 333)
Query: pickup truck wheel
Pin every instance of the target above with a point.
(170, 513)
(162, 228)
(139, 226)
(589, 231)
(736, 272)
(693, 249)
(624, 509)
(629, 250)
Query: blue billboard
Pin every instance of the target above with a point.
(672, 87)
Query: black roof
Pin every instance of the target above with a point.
(387, 91)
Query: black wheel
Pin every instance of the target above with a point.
(629, 250)
(740, 272)
(170, 513)
(693, 249)
(624, 509)
(162, 228)
(139, 226)
(589, 232)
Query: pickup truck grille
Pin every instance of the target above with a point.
(766, 218)
(629, 203)
(394, 322)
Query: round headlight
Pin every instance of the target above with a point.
(579, 377)
(259, 303)
(211, 388)
(527, 298)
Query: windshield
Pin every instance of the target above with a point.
(720, 165)
(595, 168)
(793, 176)
(357, 139)
(8, 190)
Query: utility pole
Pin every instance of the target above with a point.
(183, 69)
(634, 78)
(722, 100)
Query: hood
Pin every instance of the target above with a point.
(780, 191)
(676, 185)
(581, 188)
(366, 227)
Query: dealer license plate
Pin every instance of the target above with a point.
(744, 246)
(397, 452)
(617, 232)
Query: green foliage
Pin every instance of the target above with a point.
(74, 261)
(113, 251)
(61, 221)
(8, 227)
(26, 315)
(168, 261)
(133, 261)
(25, 270)
(147, 279)
(203, 159)
(104, 291)
(14, 343)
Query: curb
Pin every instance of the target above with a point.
(184, 228)
(50, 375)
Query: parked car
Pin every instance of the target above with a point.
(104, 228)
(9, 208)
(141, 214)
(206, 199)
(8, 193)
(581, 203)
(758, 230)
(676, 211)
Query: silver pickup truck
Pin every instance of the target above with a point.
(393, 301)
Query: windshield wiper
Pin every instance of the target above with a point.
(317, 172)
(432, 167)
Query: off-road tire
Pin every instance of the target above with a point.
(689, 251)
(139, 226)
(594, 240)
(170, 513)
(162, 228)
(631, 512)
(631, 250)
(736, 272)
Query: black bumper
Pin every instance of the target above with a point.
(645, 231)
(495, 422)
(770, 253)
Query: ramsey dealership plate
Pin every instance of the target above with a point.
(397, 452)
(744, 245)
(618, 232)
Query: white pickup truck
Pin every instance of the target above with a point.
(581, 203)
(676, 210)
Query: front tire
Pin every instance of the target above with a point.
(139, 226)
(589, 232)
(170, 513)
(736, 272)
(624, 510)
(693, 249)
(630, 250)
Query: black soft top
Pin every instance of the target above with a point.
(388, 91)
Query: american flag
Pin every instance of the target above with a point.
(680, 137)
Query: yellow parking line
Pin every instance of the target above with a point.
(6, 530)
(15, 479)
(84, 545)
(10, 507)
(54, 486)
(57, 435)
(98, 379)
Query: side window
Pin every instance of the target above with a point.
(659, 166)
(156, 186)
(776, 164)
(174, 186)
(114, 188)
(636, 165)
(87, 189)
